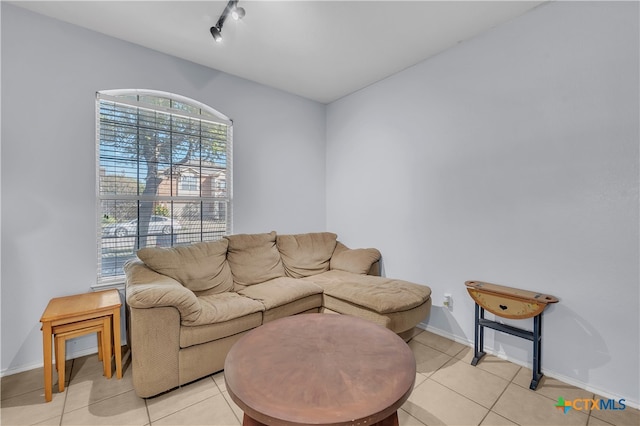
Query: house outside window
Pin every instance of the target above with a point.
(163, 175)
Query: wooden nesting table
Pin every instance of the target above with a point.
(509, 302)
(320, 369)
(73, 316)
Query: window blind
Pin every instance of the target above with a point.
(163, 175)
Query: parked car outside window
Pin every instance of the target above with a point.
(157, 225)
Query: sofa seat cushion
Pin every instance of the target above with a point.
(306, 254)
(380, 294)
(308, 305)
(217, 308)
(280, 291)
(195, 335)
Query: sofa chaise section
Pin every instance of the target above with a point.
(394, 304)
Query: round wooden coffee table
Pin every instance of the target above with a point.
(320, 369)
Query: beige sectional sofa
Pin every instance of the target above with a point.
(187, 305)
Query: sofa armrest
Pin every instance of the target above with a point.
(375, 269)
(359, 261)
(146, 289)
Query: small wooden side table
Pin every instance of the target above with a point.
(509, 302)
(73, 316)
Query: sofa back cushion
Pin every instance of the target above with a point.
(201, 267)
(254, 258)
(304, 255)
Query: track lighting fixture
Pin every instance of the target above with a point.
(237, 13)
(232, 9)
(217, 35)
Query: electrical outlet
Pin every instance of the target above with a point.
(447, 301)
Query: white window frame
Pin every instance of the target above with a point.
(208, 115)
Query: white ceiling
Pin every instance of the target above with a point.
(321, 50)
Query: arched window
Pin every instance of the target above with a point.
(163, 174)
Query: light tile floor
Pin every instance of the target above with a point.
(448, 391)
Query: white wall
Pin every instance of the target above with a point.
(511, 158)
(50, 74)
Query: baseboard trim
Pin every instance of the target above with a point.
(23, 368)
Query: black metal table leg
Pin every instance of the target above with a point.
(479, 336)
(535, 337)
(537, 352)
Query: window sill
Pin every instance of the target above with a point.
(106, 285)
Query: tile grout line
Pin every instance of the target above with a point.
(460, 359)
(466, 397)
(175, 389)
(240, 421)
(447, 387)
(146, 407)
(409, 414)
(500, 396)
(66, 391)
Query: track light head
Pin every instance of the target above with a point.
(237, 13)
(217, 34)
(232, 9)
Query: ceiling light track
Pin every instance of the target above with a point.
(232, 10)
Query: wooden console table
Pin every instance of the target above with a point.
(511, 303)
(72, 316)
